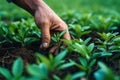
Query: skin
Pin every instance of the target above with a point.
(46, 19)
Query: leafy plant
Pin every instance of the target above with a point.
(4, 33)
(78, 31)
(109, 44)
(17, 70)
(87, 53)
(105, 73)
(54, 63)
(102, 24)
(23, 32)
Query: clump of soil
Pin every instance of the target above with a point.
(8, 55)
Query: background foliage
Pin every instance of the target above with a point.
(93, 53)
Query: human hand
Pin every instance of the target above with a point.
(46, 19)
(49, 23)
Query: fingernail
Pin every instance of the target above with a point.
(45, 45)
(41, 46)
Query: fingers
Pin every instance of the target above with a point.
(61, 27)
(45, 36)
(54, 50)
(66, 36)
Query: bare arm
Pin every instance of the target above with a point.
(46, 19)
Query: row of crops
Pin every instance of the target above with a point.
(93, 52)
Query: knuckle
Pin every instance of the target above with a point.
(63, 27)
(45, 36)
(41, 23)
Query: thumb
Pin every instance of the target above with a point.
(45, 36)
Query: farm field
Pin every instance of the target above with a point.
(92, 54)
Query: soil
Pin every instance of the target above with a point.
(10, 52)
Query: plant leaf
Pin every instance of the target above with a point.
(78, 75)
(17, 68)
(58, 59)
(36, 71)
(91, 47)
(5, 73)
(44, 59)
(66, 65)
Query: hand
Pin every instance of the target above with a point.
(49, 23)
(46, 20)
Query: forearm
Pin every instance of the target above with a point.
(30, 5)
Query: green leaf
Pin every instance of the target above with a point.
(99, 75)
(5, 73)
(85, 32)
(91, 47)
(17, 38)
(66, 65)
(17, 68)
(36, 71)
(54, 39)
(104, 73)
(23, 78)
(92, 62)
(59, 57)
(5, 29)
(104, 53)
(78, 65)
(33, 78)
(29, 40)
(68, 42)
(62, 33)
(83, 61)
(78, 75)
(67, 77)
(87, 40)
(82, 49)
(44, 59)
(56, 77)
(78, 29)
(43, 68)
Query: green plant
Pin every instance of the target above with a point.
(53, 63)
(81, 47)
(87, 53)
(105, 73)
(109, 44)
(17, 70)
(77, 75)
(24, 32)
(102, 24)
(56, 38)
(4, 33)
(78, 31)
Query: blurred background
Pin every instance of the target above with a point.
(9, 11)
(94, 26)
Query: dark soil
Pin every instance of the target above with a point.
(8, 53)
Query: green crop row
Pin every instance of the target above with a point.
(95, 40)
(22, 32)
(26, 32)
(46, 68)
(8, 11)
